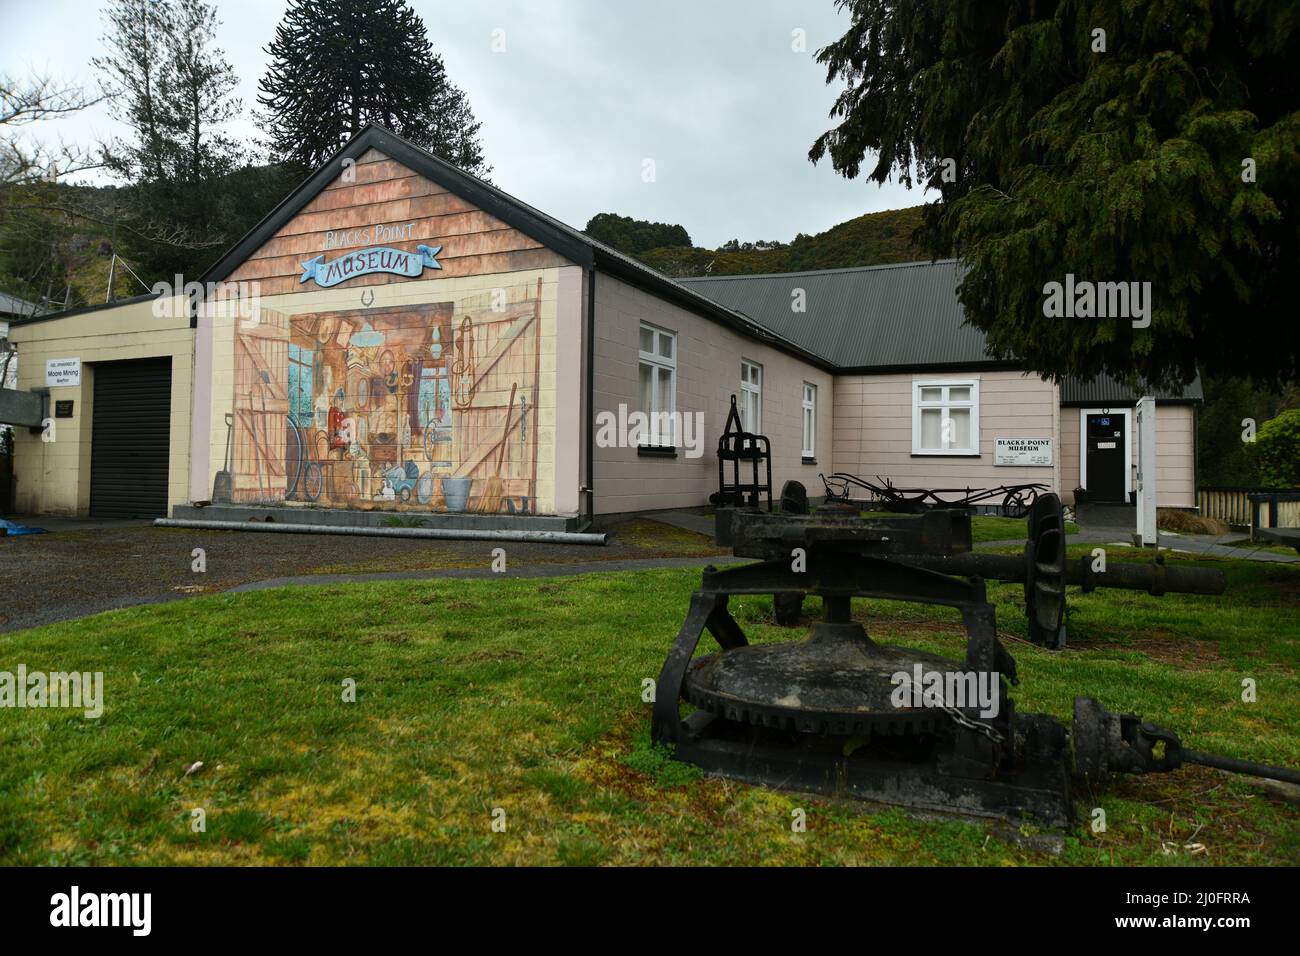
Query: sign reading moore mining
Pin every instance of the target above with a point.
(62, 373)
(1036, 452)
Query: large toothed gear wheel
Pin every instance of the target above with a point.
(838, 683)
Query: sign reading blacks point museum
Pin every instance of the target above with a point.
(1035, 452)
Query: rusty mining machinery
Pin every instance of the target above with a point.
(824, 715)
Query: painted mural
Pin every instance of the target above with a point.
(423, 407)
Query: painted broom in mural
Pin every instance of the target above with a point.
(491, 501)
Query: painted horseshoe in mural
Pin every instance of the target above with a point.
(326, 328)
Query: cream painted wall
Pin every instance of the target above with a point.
(54, 477)
(708, 373)
(873, 429)
(217, 380)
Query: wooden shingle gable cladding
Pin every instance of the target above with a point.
(388, 199)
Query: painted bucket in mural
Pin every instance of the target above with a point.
(404, 408)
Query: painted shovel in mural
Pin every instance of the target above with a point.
(367, 261)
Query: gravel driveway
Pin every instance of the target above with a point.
(85, 567)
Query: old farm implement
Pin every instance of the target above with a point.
(827, 714)
(1012, 501)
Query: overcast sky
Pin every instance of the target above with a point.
(584, 93)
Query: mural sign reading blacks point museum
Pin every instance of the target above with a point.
(369, 261)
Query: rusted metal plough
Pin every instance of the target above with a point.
(1014, 500)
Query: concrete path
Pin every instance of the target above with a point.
(687, 520)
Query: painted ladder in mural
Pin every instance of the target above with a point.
(422, 407)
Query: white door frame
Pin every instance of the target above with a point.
(1128, 445)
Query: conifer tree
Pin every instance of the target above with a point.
(1138, 142)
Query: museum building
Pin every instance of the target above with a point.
(397, 335)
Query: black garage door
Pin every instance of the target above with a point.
(129, 439)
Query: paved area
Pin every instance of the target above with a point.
(1113, 525)
(85, 567)
(698, 522)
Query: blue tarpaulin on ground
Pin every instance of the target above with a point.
(11, 528)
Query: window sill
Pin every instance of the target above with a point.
(808, 460)
(656, 451)
(945, 454)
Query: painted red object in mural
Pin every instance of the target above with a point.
(336, 419)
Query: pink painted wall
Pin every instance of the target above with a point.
(873, 430)
(1175, 454)
(708, 372)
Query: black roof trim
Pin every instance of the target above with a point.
(82, 310)
(1130, 402)
(571, 243)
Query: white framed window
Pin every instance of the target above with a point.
(946, 417)
(809, 420)
(657, 372)
(751, 396)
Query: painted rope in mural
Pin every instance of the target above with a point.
(366, 408)
(367, 261)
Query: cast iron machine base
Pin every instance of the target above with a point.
(843, 715)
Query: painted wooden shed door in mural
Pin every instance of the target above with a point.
(422, 407)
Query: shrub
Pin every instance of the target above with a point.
(1276, 450)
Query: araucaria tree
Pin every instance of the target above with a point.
(1106, 140)
(337, 65)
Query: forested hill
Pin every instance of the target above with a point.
(868, 240)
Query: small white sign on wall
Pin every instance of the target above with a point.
(61, 373)
(1035, 452)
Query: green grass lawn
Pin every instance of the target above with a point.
(991, 528)
(526, 696)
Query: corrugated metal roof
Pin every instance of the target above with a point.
(1104, 390)
(12, 305)
(903, 315)
(884, 316)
